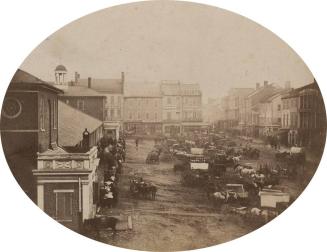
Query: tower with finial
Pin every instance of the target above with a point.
(60, 73)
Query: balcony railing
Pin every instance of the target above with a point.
(62, 160)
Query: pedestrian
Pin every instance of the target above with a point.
(108, 196)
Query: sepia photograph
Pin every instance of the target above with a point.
(163, 126)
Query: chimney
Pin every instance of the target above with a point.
(122, 82)
(257, 86)
(265, 83)
(89, 82)
(287, 85)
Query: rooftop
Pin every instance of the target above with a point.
(81, 91)
(61, 68)
(70, 134)
(112, 86)
(25, 80)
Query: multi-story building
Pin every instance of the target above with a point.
(232, 105)
(143, 111)
(252, 107)
(181, 107)
(304, 117)
(80, 97)
(212, 111)
(270, 114)
(113, 90)
(29, 124)
(171, 107)
(191, 101)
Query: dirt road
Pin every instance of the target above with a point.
(180, 218)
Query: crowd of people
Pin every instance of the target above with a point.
(112, 154)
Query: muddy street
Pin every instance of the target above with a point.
(180, 218)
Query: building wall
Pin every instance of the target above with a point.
(22, 137)
(48, 120)
(114, 107)
(191, 108)
(143, 109)
(290, 113)
(50, 202)
(172, 108)
(93, 105)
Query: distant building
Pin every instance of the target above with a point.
(251, 110)
(212, 111)
(232, 106)
(181, 107)
(143, 111)
(270, 114)
(171, 107)
(29, 124)
(113, 89)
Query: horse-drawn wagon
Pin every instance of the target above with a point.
(197, 172)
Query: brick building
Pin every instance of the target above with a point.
(181, 107)
(80, 97)
(251, 110)
(113, 90)
(29, 124)
(304, 117)
(143, 111)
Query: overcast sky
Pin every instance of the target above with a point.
(156, 41)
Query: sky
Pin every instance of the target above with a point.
(154, 41)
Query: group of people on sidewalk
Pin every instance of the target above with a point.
(112, 154)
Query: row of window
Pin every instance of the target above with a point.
(290, 103)
(141, 102)
(142, 116)
(290, 120)
(113, 113)
(112, 101)
(195, 101)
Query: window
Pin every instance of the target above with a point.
(80, 105)
(118, 113)
(119, 100)
(112, 113)
(278, 107)
(168, 100)
(64, 205)
(169, 115)
(54, 114)
(112, 100)
(147, 115)
(42, 114)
